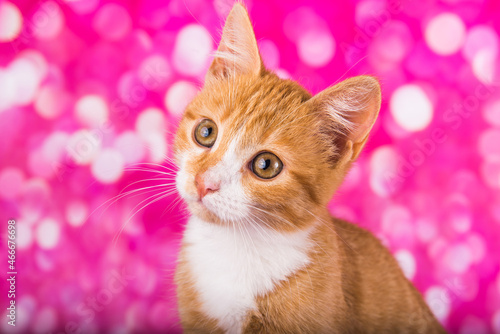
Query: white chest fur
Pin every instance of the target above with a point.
(233, 265)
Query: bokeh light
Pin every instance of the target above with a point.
(91, 110)
(480, 37)
(76, 213)
(112, 22)
(48, 233)
(411, 108)
(178, 96)
(407, 262)
(11, 181)
(48, 21)
(108, 166)
(51, 101)
(130, 146)
(24, 236)
(11, 21)
(192, 48)
(488, 145)
(83, 146)
(316, 49)
(383, 171)
(150, 121)
(82, 6)
(491, 112)
(445, 33)
(485, 66)
(154, 73)
(438, 299)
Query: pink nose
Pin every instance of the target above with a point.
(204, 186)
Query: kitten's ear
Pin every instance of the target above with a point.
(238, 52)
(349, 110)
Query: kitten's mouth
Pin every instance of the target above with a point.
(201, 205)
(201, 209)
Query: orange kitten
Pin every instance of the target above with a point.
(259, 160)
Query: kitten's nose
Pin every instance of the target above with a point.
(204, 186)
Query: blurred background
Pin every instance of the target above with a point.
(90, 95)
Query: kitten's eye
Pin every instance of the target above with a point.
(266, 165)
(205, 133)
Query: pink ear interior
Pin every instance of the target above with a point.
(238, 52)
(351, 106)
(348, 111)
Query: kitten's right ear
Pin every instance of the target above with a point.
(238, 52)
(348, 111)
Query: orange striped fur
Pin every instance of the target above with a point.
(297, 270)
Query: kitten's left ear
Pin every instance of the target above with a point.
(349, 110)
(238, 52)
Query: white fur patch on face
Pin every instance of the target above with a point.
(182, 178)
(231, 265)
(230, 202)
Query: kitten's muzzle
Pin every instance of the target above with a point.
(204, 185)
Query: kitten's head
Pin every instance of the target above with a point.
(254, 148)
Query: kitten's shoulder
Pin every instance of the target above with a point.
(357, 235)
(363, 246)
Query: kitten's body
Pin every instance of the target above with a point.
(262, 255)
(342, 280)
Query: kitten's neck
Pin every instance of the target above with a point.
(245, 234)
(234, 264)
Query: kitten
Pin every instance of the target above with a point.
(259, 160)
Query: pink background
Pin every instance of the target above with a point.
(91, 89)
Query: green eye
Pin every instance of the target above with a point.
(205, 133)
(266, 165)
